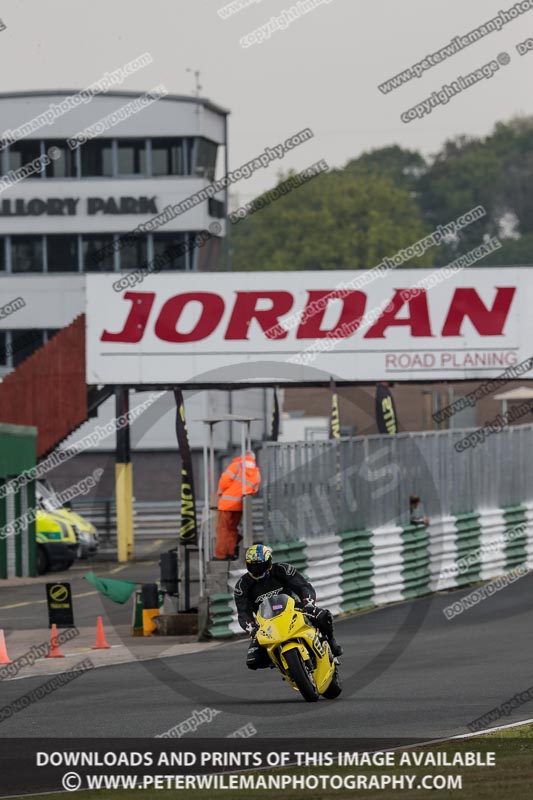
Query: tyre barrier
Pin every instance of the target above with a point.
(364, 569)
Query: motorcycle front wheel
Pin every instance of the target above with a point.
(300, 676)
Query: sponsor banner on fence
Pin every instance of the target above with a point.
(334, 416)
(274, 429)
(188, 529)
(288, 327)
(386, 417)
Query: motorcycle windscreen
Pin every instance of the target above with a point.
(273, 606)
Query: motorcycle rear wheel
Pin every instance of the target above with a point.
(299, 675)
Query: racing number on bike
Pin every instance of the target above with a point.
(317, 644)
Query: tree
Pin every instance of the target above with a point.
(495, 172)
(388, 198)
(513, 145)
(403, 167)
(339, 220)
(515, 252)
(465, 174)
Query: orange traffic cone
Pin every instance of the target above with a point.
(4, 658)
(54, 651)
(101, 643)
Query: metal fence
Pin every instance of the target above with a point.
(151, 520)
(313, 488)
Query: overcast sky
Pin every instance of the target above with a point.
(321, 72)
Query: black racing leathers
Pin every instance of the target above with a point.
(282, 579)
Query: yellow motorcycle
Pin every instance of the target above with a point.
(300, 652)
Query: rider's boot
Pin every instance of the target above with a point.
(324, 622)
(336, 648)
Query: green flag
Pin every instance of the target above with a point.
(117, 591)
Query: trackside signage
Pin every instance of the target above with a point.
(305, 326)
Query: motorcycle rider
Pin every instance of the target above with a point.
(264, 579)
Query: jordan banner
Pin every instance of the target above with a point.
(386, 418)
(281, 328)
(188, 527)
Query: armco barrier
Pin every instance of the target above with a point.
(365, 569)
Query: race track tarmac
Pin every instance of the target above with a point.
(407, 672)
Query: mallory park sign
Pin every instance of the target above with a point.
(290, 327)
(70, 206)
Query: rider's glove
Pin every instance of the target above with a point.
(308, 605)
(252, 628)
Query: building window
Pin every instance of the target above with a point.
(216, 208)
(97, 159)
(98, 255)
(62, 253)
(24, 343)
(206, 158)
(26, 254)
(22, 153)
(168, 157)
(2, 254)
(189, 142)
(16, 345)
(63, 167)
(133, 254)
(170, 247)
(131, 157)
